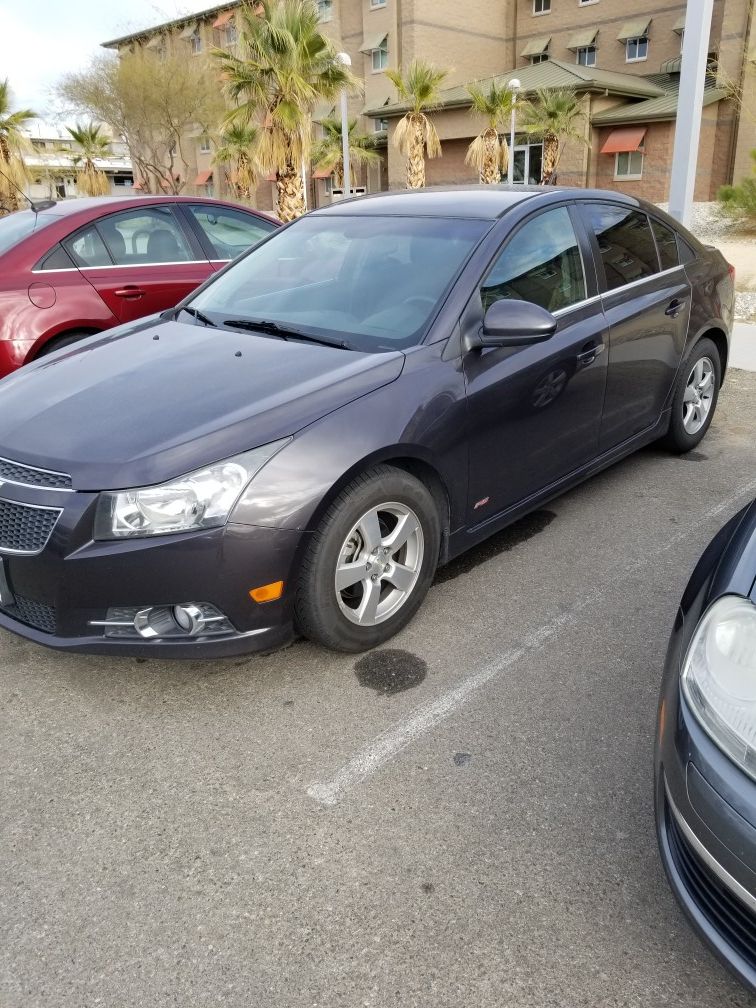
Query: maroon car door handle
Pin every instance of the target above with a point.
(130, 292)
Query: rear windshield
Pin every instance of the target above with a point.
(17, 226)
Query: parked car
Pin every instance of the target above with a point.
(359, 398)
(85, 265)
(706, 749)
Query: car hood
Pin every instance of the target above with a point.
(140, 407)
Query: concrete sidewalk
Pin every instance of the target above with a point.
(743, 346)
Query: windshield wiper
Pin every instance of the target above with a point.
(285, 333)
(199, 316)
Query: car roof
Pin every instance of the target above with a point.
(90, 204)
(484, 202)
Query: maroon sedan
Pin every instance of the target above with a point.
(85, 265)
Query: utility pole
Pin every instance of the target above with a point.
(689, 107)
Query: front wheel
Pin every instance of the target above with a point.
(695, 397)
(371, 562)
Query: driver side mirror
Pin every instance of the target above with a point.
(516, 323)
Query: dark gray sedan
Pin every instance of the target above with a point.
(706, 751)
(365, 395)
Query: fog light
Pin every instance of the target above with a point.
(189, 618)
(267, 593)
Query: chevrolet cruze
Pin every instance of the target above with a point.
(366, 394)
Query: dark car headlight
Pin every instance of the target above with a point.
(201, 499)
(719, 677)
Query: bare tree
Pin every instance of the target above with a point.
(154, 100)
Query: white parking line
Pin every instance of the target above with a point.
(390, 743)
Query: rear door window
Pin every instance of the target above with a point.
(540, 263)
(666, 243)
(625, 242)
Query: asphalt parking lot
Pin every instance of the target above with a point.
(463, 818)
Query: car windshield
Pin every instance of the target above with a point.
(17, 226)
(372, 283)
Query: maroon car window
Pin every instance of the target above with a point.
(625, 242)
(541, 263)
(230, 232)
(666, 242)
(145, 236)
(86, 248)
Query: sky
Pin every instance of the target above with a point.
(39, 42)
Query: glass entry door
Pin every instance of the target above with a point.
(528, 159)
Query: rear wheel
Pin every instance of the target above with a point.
(58, 342)
(370, 563)
(695, 397)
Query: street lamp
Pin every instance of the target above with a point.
(514, 86)
(344, 59)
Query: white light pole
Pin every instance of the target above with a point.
(690, 103)
(347, 185)
(514, 86)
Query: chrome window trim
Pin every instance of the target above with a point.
(82, 269)
(642, 280)
(34, 486)
(5, 551)
(708, 858)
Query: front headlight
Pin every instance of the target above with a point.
(719, 677)
(202, 499)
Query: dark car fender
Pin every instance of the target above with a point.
(416, 422)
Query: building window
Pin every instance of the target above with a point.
(232, 35)
(586, 56)
(541, 6)
(629, 164)
(585, 3)
(380, 125)
(377, 3)
(204, 144)
(195, 41)
(325, 10)
(380, 56)
(328, 185)
(636, 49)
(540, 57)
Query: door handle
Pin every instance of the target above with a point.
(589, 354)
(130, 293)
(674, 308)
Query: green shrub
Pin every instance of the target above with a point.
(740, 200)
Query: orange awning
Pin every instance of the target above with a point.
(620, 141)
(204, 177)
(223, 19)
(323, 173)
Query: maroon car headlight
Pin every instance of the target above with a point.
(719, 677)
(201, 499)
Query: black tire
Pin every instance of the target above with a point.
(677, 438)
(318, 611)
(58, 342)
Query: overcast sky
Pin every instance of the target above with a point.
(42, 40)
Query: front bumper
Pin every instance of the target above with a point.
(54, 596)
(706, 825)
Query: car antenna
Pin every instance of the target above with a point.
(36, 207)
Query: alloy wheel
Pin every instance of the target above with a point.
(699, 395)
(379, 564)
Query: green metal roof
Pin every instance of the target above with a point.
(549, 74)
(653, 110)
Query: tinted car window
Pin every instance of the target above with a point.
(541, 263)
(372, 282)
(144, 236)
(666, 243)
(57, 258)
(625, 242)
(86, 248)
(17, 226)
(230, 232)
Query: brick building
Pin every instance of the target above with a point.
(624, 64)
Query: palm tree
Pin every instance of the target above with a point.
(489, 153)
(553, 116)
(286, 66)
(415, 135)
(328, 152)
(92, 144)
(238, 148)
(13, 144)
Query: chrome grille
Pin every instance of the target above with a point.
(24, 475)
(24, 528)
